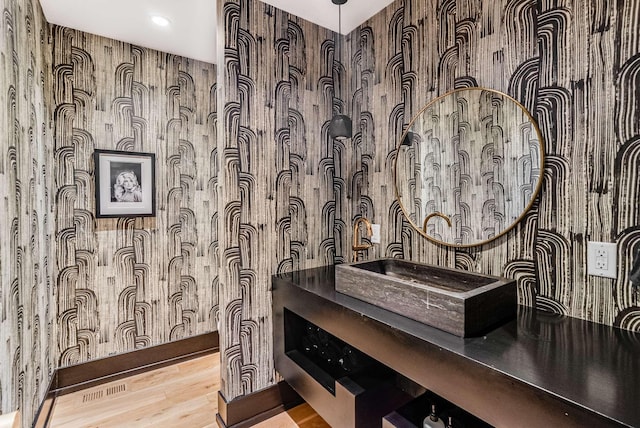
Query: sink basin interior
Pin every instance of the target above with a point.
(442, 278)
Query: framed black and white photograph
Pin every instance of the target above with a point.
(125, 184)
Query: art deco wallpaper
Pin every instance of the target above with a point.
(76, 288)
(128, 283)
(249, 183)
(573, 64)
(27, 319)
(277, 183)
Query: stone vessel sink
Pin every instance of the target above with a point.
(456, 301)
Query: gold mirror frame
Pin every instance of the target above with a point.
(453, 219)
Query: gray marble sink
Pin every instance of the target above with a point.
(459, 302)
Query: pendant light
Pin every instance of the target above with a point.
(340, 126)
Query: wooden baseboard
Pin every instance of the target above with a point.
(92, 373)
(248, 410)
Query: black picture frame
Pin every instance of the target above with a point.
(125, 184)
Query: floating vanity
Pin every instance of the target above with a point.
(538, 369)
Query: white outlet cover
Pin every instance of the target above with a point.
(375, 235)
(601, 259)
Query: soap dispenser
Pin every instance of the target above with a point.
(433, 421)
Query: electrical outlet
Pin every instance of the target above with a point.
(601, 259)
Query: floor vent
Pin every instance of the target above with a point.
(91, 396)
(97, 395)
(116, 389)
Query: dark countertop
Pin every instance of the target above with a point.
(588, 366)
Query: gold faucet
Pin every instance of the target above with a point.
(357, 246)
(435, 214)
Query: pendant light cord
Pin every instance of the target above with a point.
(341, 126)
(339, 44)
(339, 34)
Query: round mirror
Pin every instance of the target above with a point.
(468, 167)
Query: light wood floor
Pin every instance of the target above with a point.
(182, 395)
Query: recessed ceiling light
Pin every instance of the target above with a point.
(160, 20)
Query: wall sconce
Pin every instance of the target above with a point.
(340, 126)
(409, 138)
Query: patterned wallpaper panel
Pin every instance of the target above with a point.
(562, 60)
(272, 192)
(277, 178)
(26, 217)
(77, 288)
(575, 65)
(128, 283)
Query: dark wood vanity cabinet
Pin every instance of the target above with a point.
(537, 370)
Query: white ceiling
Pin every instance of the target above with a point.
(192, 31)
